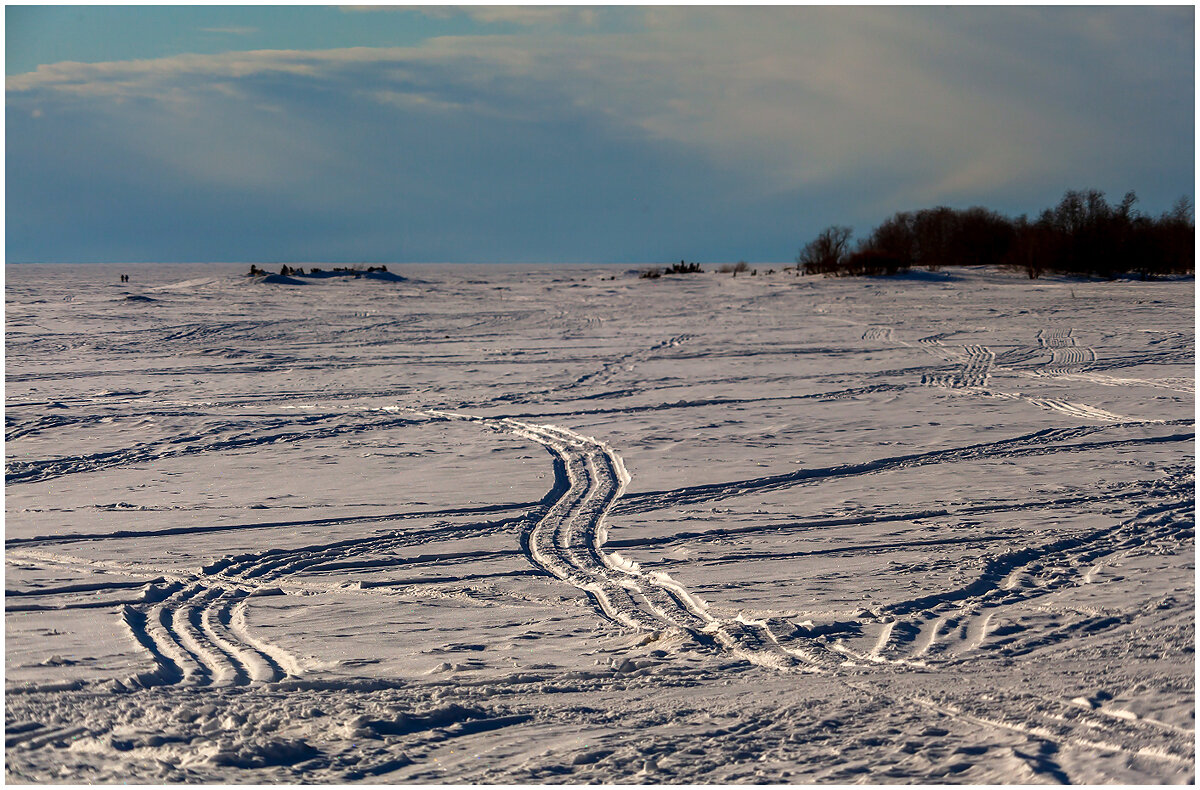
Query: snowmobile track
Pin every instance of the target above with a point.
(567, 542)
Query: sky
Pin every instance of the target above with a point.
(576, 134)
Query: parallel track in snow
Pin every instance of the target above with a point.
(305, 428)
(952, 624)
(973, 366)
(1044, 442)
(972, 606)
(567, 542)
(197, 633)
(194, 626)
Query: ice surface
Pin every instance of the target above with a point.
(495, 524)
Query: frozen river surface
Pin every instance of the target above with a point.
(561, 524)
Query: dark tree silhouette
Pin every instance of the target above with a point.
(1082, 235)
(827, 251)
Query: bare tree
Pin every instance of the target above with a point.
(826, 252)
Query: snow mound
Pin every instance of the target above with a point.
(280, 279)
(260, 754)
(385, 276)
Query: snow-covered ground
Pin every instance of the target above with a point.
(560, 524)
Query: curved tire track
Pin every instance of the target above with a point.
(567, 542)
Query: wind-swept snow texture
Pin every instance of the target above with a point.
(561, 524)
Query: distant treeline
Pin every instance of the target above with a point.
(1082, 235)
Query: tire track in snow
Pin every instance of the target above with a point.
(35, 471)
(1173, 384)
(193, 626)
(975, 365)
(974, 373)
(606, 372)
(77, 537)
(1063, 725)
(921, 627)
(1060, 405)
(609, 369)
(1044, 442)
(191, 637)
(188, 636)
(959, 625)
(1066, 356)
(878, 333)
(853, 392)
(1070, 362)
(880, 518)
(208, 643)
(198, 635)
(567, 542)
(15, 429)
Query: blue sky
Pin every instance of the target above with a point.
(541, 134)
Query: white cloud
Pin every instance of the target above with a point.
(792, 97)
